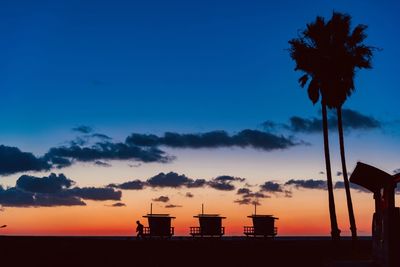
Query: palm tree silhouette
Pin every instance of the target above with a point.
(312, 53)
(350, 54)
(329, 53)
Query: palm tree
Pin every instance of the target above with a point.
(329, 53)
(310, 51)
(350, 54)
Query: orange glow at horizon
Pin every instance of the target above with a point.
(306, 213)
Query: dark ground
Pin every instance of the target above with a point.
(234, 251)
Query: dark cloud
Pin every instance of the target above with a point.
(171, 206)
(246, 138)
(175, 180)
(396, 171)
(298, 124)
(50, 184)
(227, 178)
(102, 163)
(189, 195)
(131, 185)
(172, 179)
(352, 120)
(358, 188)
(14, 197)
(54, 190)
(118, 204)
(355, 120)
(243, 191)
(101, 136)
(224, 182)
(247, 201)
(308, 184)
(107, 151)
(223, 186)
(339, 173)
(96, 193)
(249, 197)
(13, 160)
(161, 199)
(275, 188)
(83, 129)
(271, 187)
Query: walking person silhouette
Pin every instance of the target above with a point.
(139, 229)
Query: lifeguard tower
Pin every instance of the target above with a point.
(159, 225)
(263, 225)
(210, 225)
(386, 219)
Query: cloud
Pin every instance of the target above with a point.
(396, 171)
(224, 182)
(307, 184)
(215, 139)
(118, 204)
(171, 206)
(106, 151)
(96, 193)
(13, 160)
(50, 191)
(189, 195)
(161, 199)
(275, 188)
(175, 180)
(248, 197)
(243, 191)
(358, 188)
(247, 201)
(271, 187)
(355, 120)
(101, 136)
(172, 179)
(50, 184)
(352, 120)
(83, 129)
(131, 185)
(102, 163)
(14, 197)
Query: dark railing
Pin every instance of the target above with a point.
(249, 230)
(197, 231)
(147, 232)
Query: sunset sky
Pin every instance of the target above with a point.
(179, 103)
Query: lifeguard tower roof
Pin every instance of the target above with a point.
(209, 216)
(262, 216)
(154, 215)
(372, 178)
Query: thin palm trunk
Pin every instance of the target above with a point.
(353, 227)
(335, 232)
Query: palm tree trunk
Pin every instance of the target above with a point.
(335, 232)
(353, 227)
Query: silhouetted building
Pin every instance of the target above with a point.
(263, 225)
(159, 225)
(386, 219)
(210, 225)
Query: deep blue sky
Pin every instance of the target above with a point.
(151, 66)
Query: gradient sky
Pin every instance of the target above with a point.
(187, 67)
